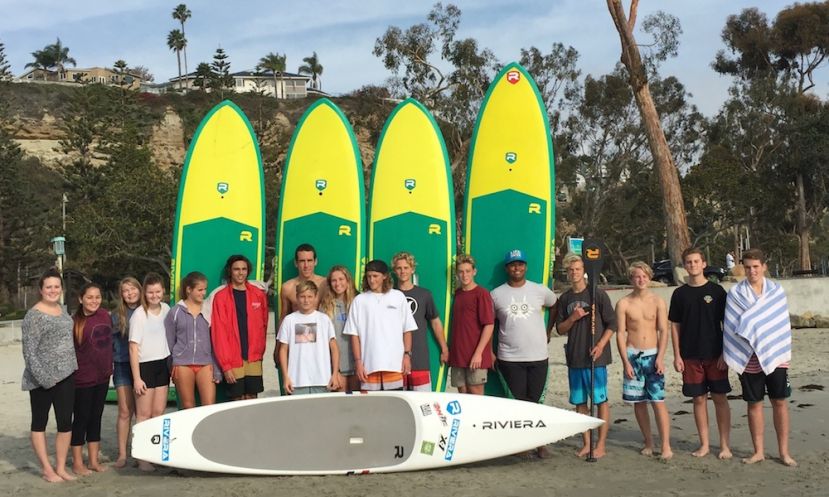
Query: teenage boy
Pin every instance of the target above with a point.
(380, 323)
(425, 313)
(696, 314)
(585, 348)
(642, 339)
(758, 346)
(473, 320)
(238, 325)
(309, 357)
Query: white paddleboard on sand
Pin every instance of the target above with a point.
(377, 432)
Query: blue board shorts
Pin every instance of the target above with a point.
(579, 379)
(121, 374)
(646, 385)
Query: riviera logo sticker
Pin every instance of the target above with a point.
(453, 408)
(222, 187)
(321, 184)
(165, 440)
(409, 184)
(514, 77)
(510, 157)
(453, 437)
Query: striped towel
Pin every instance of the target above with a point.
(757, 325)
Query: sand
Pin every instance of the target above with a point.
(622, 472)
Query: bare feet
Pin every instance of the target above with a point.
(543, 452)
(52, 477)
(600, 451)
(725, 453)
(120, 463)
(65, 475)
(701, 452)
(646, 451)
(583, 451)
(666, 454)
(788, 461)
(754, 458)
(81, 470)
(98, 467)
(145, 466)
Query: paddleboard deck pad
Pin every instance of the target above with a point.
(375, 432)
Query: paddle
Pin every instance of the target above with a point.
(593, 252)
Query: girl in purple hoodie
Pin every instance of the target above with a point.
(188, 337)
(93, 349)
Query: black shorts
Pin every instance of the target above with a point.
(155, 373)
(249, 385)
(756, 385)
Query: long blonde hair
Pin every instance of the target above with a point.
(122, 308)
(329, 299)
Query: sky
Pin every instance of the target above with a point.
(343, 32)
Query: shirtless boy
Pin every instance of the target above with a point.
(305, 260)
(696, 314)
(642, 339)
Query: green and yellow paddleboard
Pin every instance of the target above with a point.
(412, 208)
(221, 199)
(322, 201)
(510, 185)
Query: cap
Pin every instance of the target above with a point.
(515, 255)
(377, 266)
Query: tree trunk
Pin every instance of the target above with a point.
(672, 203)
(803, 231)
(178, 58)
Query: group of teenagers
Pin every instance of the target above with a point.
(333, 338)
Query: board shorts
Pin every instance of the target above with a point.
(419, 381)
(646, 385)
(756, 385)
(309, 390)
(579, 379)
(155, 374)
(461, 377)
(121, 374)
(248, 380)
(383, 380)
(702, 376)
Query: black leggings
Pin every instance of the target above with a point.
(89, 408)
(526, 380)
(62, 396)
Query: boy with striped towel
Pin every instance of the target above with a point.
(757, 344)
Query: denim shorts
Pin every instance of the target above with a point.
(121, 374)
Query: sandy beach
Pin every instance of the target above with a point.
(622, 472)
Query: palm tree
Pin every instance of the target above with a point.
(176, 43)
(274, 63)
(59, 56)
(313, 67)
(181, 13)
(41, 62)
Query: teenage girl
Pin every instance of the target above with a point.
(336, 304)
(130, 290)
(149, 354)
(188, 338)
(93, 349)
(48, 375)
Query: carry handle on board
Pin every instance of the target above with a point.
(593, 254)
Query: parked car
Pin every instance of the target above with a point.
(663, 271)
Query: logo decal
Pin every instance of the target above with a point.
(427, 448)
(412, 304)
(399, 452)
(222, 187)
(453, 437)
(165, 440)
(344, 231)
(439, 412)
(321, 184)
(409, 184)
(453, 408)
(510, 157)
(708, 299)
(514, 76)
(512, 424)
(534, 208)
(434, 229)
(426, 409)
(245, 236)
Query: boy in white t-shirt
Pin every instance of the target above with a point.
(309, 358)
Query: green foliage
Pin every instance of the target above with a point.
(5, 73)
(313, 67)
(221, 80)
